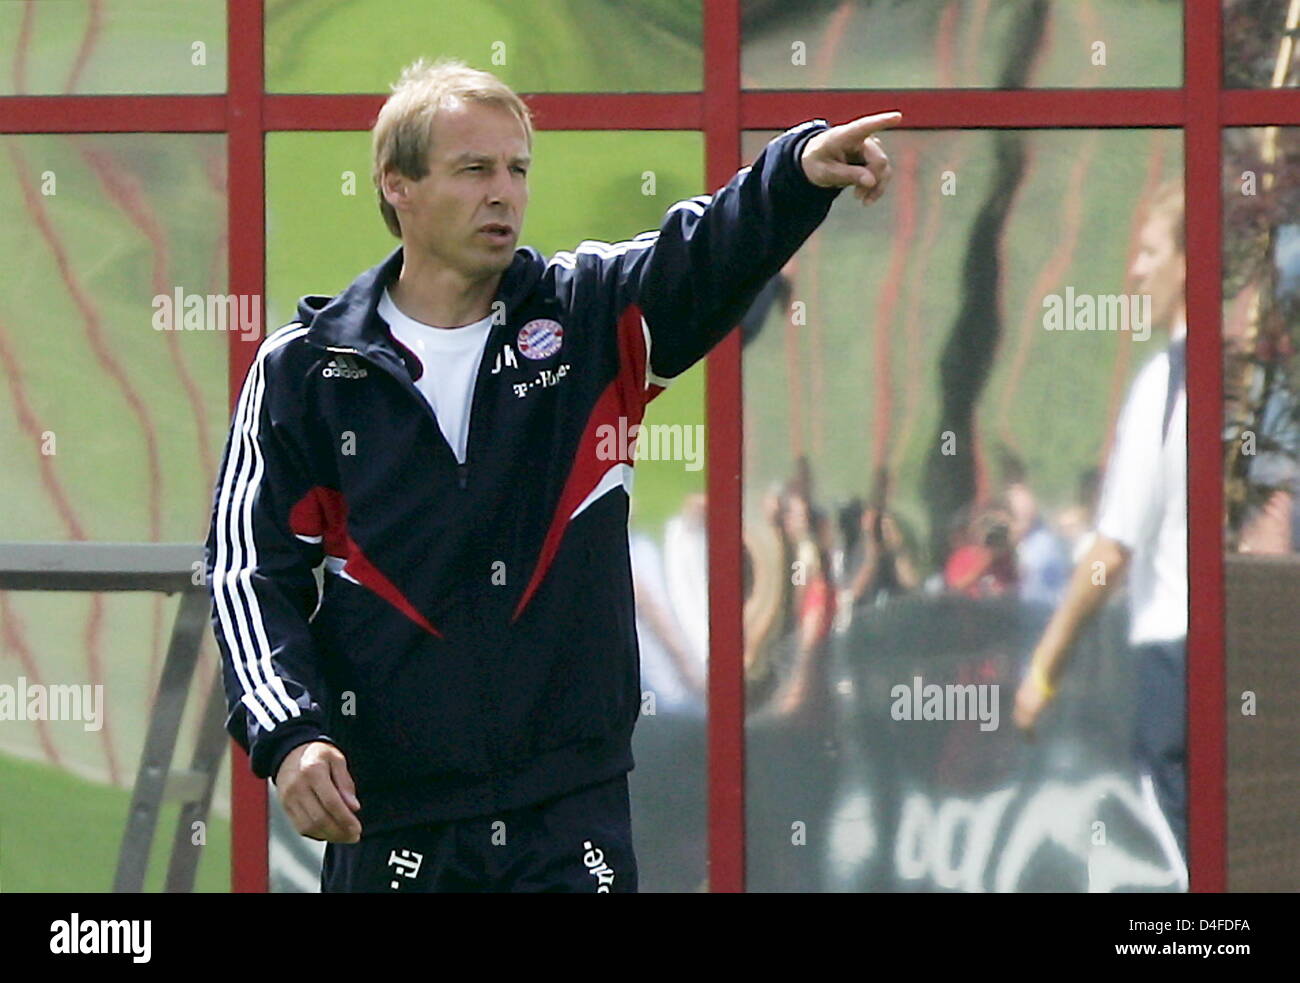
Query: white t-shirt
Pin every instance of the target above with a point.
(1144, 504)
(449, 360)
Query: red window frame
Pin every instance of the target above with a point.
(1201, 107)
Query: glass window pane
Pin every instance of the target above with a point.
(876, 44)
(111, 433)
(116, 424)
(583, 185)
(1260, 49)
(933, 438)
(145, 47)
(542, 46)
(1261, 326)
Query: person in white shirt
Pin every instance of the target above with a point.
(1142, 531)
(672, 617)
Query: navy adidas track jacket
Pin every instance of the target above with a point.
(474, 645)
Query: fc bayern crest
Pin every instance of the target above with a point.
(540, 338)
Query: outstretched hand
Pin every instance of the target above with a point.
(849, 156)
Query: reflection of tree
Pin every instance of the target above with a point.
(1261, 200)
(967, 358)
(1261, 267)
(1251, 32)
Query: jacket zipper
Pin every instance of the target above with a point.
(476, 398)
(491, 742)
(488, 699)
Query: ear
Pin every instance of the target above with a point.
(394, 185)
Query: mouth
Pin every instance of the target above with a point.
(497, 232)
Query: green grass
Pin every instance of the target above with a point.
(61, 833)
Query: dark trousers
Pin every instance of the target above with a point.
(1160, 743)
(577, 843)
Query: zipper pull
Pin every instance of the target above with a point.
(462, 472)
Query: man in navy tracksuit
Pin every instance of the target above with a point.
(454, 709)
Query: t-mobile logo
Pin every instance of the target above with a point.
(406, 863)
(594, 861)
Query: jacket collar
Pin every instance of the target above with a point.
(350, 320)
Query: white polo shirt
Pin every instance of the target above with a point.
(449, 359)
(1144, 503)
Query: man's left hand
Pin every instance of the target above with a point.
(850, 156)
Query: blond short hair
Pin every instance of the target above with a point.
(1166, 202)
(403, 133)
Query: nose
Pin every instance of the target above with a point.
(501, 186)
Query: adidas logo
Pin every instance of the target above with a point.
(343, 367)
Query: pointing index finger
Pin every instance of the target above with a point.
(865, 126)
